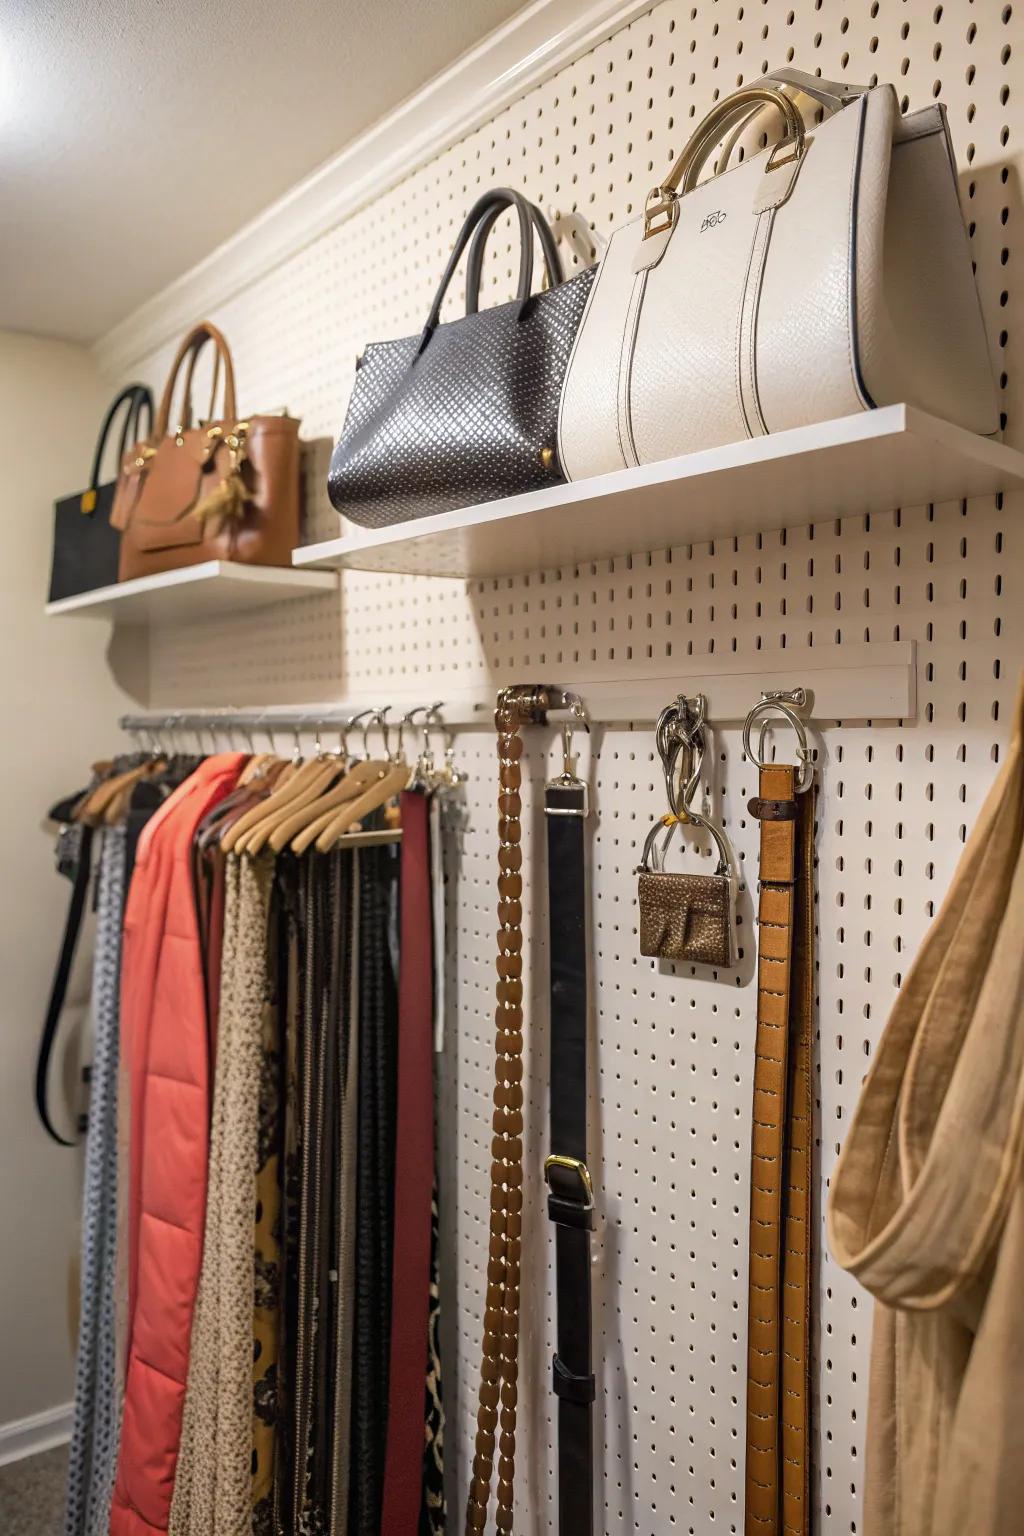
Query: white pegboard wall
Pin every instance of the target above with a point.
(672, 1050)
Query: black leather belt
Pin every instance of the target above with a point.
(570, 1192)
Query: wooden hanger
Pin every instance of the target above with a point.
(359, 778)
(288, 786)
(258, 836)
(94, 808)
(338, 823)
(256, 767)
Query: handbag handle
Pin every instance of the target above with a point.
(139, 398)
(652, 854)
(661, 207)
(193, 343)
(475, 261)
(833, 95)
(186, 415)
(498, 198)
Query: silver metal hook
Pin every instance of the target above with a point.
(680, 729)
(407, 719)
(785, 702)
(264, 721)
(378, 719)
(354, 720)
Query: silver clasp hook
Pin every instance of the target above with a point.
(680, 729)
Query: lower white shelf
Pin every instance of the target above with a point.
(195, 592)
(896, 456)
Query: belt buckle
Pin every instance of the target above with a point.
(571, 1165)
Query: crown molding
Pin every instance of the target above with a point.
(528, 49)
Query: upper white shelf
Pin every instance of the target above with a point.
(203, 591)
(896, 456)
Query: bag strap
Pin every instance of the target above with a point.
(138, 398)
(58, 991)
(570, 1189)
(496, 200)
(499, 1367)
(778, 1337)
(475, 260)
(193, 343)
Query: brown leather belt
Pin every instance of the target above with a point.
(779, 1341)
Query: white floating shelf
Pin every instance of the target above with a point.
(896, 456)
(203, 591)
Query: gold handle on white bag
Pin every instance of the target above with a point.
(662, 204)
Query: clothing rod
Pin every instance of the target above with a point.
(866, 681)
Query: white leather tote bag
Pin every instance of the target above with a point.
(821, 275)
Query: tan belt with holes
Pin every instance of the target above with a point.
(779, 1338)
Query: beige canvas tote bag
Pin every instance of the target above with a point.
(927, 1204)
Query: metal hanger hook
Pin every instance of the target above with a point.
(407, 719)
(364, 714)
(379, 719)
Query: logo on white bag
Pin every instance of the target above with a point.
(718, 217)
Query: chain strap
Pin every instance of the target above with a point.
(499, 1368)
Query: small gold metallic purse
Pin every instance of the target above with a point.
(686, 917)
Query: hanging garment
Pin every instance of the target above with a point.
(414, 1181)
(347, 875)
(433, 1513)
(165, 1043)
(97, 1416)
(308, 1408)
(927, 1204)
(375, 1185)
(267, 1246)
(213, 1488)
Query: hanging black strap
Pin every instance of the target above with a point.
(570, 1193)
(61, 976)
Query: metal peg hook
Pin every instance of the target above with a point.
(785, 702)
(577, 717)
(680, 729)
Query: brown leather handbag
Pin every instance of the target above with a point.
(227, 489)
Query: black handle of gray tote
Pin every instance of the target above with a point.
(480, 219)
(139, 399)
(475, 262)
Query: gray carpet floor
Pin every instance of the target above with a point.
(32, 1494)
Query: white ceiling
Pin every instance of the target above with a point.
(136, 135)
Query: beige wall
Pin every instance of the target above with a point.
(59, 708)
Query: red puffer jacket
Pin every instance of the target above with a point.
(165, 1048)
